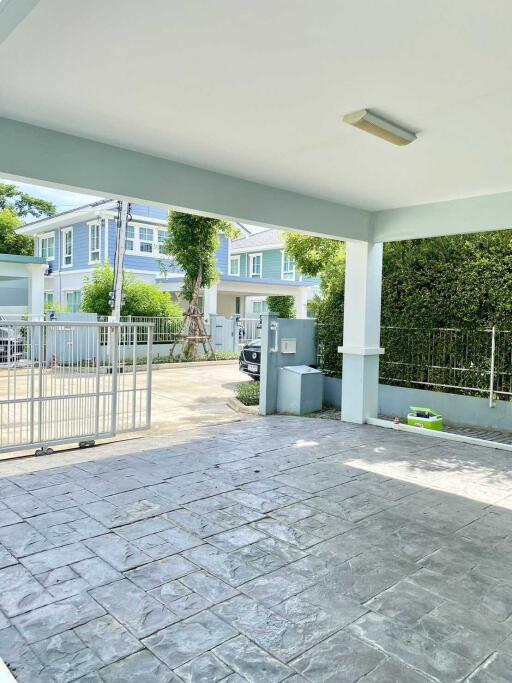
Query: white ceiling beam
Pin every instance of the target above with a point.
(458, 216)
(12, 13)
(42, 156)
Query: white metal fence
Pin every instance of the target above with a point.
(67, 382)
(248, 329)
(475, 362)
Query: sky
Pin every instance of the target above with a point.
(64, 201)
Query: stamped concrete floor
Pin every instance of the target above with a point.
(276, 549)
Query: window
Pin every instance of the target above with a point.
(130, 237)
(259, 306)
(161, 236)
(48, 300)
(288, 268)
(237, 305)
(48, 247)
(146, 240)
(255, 265)
(67, 247)
(94, 242)
(234, 265)
(73, 299)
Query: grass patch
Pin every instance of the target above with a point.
(248, 393)
(157, 360)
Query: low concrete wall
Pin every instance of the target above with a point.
(463, 410)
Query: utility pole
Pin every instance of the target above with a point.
(116, 301)
(116, 296)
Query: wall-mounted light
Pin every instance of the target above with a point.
(382, 128)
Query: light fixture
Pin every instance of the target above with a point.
(382, 128)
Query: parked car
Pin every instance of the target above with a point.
(250, 359)
(11, 345)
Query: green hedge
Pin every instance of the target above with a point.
(462, 282)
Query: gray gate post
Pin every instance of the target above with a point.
(269, 363)
(234, 333)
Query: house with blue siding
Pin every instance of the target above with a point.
(251, 268)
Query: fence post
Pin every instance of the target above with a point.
(234, 332)
(149, 375)
(493, 361)
(114, 357)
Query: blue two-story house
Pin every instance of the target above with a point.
(75, 242)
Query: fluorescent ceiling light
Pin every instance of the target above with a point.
(376, 125)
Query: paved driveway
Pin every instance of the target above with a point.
(186, 397)
(274, 549)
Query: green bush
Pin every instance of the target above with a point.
(284, 306)
(140, 298)
(248, 393)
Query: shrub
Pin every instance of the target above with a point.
(248, 393)
(284, 306)
(140, 298)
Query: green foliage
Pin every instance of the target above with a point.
(284, 306)
(462, 281)
(193, 242)
(317, 256)
(24, 204)
(140, 298)
(15, 205)
(248, 393)
(10, 242)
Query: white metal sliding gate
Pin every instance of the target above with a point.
(65, 382)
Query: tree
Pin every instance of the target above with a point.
(193, 242)
(10, 242)
(140, 298)
(317, 256)
(284, 306)
(24, 204)
(14, 206)
(461, 281)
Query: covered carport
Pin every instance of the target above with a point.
(303, 169)
(308, 550)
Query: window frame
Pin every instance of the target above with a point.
(284, 272)
(150, 242)
(252, 258)
(234, 258)
(66, 292)
(160, 242)
(262, 302)
(45, 237)
(95, 225)
(64, 233)
(46, 294)
(130, 238)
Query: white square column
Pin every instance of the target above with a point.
(361, 331)
(36, 291)
(301, 303)
(210, 301)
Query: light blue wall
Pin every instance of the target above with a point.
(271, 269)
(271, 261)
(148, 211)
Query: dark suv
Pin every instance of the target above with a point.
(250, 359)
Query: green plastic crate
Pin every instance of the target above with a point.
(425, 418)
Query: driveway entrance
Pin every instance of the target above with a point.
(191, 396)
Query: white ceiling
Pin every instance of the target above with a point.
(257, 89)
